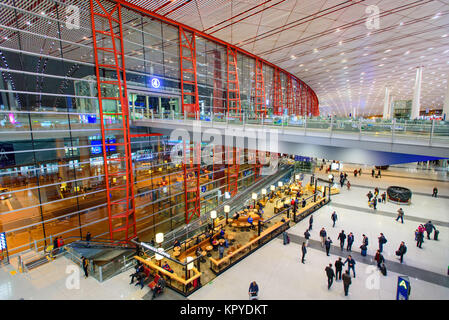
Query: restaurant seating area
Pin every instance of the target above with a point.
(239, 235)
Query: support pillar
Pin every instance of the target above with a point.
(446, 103)
(417, 94)
(386, 114)
(391, 108)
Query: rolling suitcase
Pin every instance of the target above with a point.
(435, 234)
(383, 269)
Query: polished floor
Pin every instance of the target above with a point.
(277, 268)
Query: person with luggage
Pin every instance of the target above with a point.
(351, 264)
(375, 203)
(365, 240)
(342, 238)
(363, 249)
(376, 192)
(435, 192)
(401, 251)
(323, 235)
(378, 174)
(307, 237)
(304, 251)
(400, 215)
(330, 275)
(334, 218)
(338, 268)
(253, 290)
(286, 238)
(429, 227)
(350, 241)
(327, 244)
(382, 241)
(346, 282)
(379, 258)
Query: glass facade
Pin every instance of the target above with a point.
(51, 163)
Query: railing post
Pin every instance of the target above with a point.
(173, 114)
(305, 125)
(360, 129)
(185, 115)
(152, 115)
(101, 273)
(227, 118)
(35, 245)
(431, 131)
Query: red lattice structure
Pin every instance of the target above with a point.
(289, 98)
(192, 168)
(233, 101)
(260, 106)
(303, 99)
(277, 93)
(217, 106)
(189, 83)
(298, 98)
(106, 24)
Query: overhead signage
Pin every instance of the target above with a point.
(403, 288)
(155, 83)
(3, 245)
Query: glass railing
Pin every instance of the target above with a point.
(429, 132)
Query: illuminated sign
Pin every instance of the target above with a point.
(155, 83)
(3, 245)
(403, 288)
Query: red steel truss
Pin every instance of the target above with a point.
(298, 98)
(303, 99)
(114, 117)
(233, 161)
(277, 93)
(189, 83)
(290, 106)
(191, 166)
(234, 103)
(218, 89)
(260, 107)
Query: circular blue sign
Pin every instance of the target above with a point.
(203, 189)
(155, 83)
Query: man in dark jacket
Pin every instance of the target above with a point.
(342, 238)
(382, 241)
(338, 268)
(304, 251)
(350, 241)
(375, 203)
(379, 258)
(369, 195)
(323, 235)
(365, 240)
(429, 228)
(327, 244)
(334, 218)
(310, 220)
(351, 264)
(419, 239)
(330, 275)
(401, 251)
(307, 237)
(346, 282)
(435, 192)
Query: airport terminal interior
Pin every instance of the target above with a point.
(224, 150)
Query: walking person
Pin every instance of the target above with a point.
(85, 264)
(307, 236)
(327, 244)
(420, 239)
(330, 275)
(365, 240)
(400, 215)
(346, 282)
(304, 251)
(379, 258)
(350, 241)
(351, 264)
(429, 228)
(375, 203)
(435, 192)
(310, 219)
(221, 251)
(382, 241)
(372, 173)
(342, 238)
(323, 235)
(401, 251)
(384, 197)
(55, 246)
(88, 236)
(338, 268)
(348, 185)
(253, 290)
(334, 218)
(369, 195)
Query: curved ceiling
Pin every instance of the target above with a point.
(335, 46)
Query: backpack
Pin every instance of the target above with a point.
(385, 240)
(405, 249)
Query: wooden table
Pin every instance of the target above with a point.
(176, 253)
(203, 254)
(221, 241)
(177, 249)
(231, 238)
(209, 249)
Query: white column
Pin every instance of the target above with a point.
(385, 114)
(390, 108)
(416, 105)
(446, 102)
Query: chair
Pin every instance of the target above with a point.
(153, 283)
